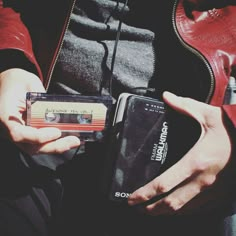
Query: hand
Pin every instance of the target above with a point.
(195, 177)
(14, 84)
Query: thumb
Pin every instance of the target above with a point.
(186, 106)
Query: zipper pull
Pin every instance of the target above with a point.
(230, 93)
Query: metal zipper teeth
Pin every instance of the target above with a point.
(197, 53)
(60, 46)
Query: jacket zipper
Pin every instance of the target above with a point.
(197, 53)
(60, 45)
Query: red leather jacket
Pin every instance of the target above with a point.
(211, 32)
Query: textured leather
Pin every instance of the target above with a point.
(212, 32)
(14, 34)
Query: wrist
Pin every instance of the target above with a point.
(16, 78)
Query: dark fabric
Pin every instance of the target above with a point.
(14, 59)
(86, 210)
(29, 196)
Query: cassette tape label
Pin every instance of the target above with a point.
(76, 117)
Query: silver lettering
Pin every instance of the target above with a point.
(160, 149)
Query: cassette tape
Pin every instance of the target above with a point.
(84, 116)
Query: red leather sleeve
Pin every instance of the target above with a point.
(230, 111)
(15, 35)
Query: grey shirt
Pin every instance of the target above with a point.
(84, 64)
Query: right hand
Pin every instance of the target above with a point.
(14, 84)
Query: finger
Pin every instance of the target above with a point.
(187, 106)
(190, 199)
(162, 184)
(56, 147)
(175, 201)
(28, 134)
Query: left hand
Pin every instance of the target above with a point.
(194, 179)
